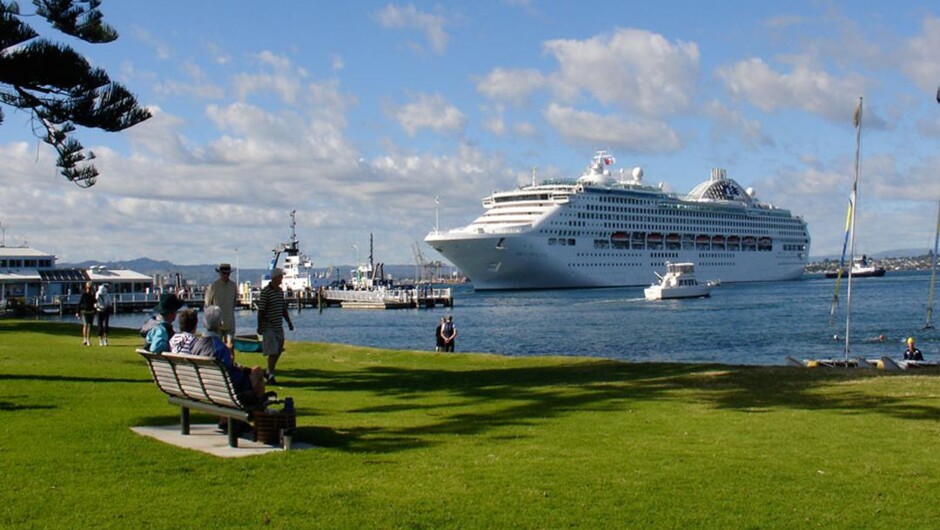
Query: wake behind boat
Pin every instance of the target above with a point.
(607, 231)
(678, 282)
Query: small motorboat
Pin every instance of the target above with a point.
(678, 282)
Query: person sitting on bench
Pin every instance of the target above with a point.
(211, 345)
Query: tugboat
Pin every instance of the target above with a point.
(861, 268)
(678, 282)
(297, 276)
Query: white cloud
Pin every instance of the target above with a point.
(510, 85)
(598, 131)
(336, 62)
(635, 69)
(429, 112)
(524, 128)
(218, 53)
(199, 86)
(920, 60)
(496, 125)
(409, 17)
(282, 78)
(812, 90)
(727, 120)
(161, 49)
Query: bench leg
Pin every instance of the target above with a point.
(232, 434)
(184, 420)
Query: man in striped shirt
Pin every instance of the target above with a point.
(272, 310)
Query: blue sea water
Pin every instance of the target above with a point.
(755, 323)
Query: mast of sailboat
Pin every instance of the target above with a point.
(933, 267)
(841, 270)
(848, 298)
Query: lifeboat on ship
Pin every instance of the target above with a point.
(619, 237)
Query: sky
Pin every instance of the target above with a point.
(360, 115)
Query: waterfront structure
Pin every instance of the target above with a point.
(603, 231)
(31, 277)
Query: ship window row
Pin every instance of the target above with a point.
(652, 226)
(781, 217)
(514, 198)
(658, 241)
(739, 221)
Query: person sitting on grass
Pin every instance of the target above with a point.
(210, 345)
(183, 341)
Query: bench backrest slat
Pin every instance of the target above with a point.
(197, 378)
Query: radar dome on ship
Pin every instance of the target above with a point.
(750, 192)
(638, 173)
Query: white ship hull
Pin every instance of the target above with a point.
(599, 232)
(525, 261)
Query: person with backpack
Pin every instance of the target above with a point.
(103, 304)
(449, 333)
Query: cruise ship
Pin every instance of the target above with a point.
(603, 230)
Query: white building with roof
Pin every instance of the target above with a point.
(31, 276)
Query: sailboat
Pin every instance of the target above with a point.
(845, 361)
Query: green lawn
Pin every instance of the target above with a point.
(427, 440)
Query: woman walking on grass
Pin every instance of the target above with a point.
(86, 312)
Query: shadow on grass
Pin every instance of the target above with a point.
(10, 406)
(54, 327)
(70, 379)
(479, 401)
(46, 327)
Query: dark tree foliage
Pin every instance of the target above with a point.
(58, 86)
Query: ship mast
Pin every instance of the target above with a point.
(858, 149)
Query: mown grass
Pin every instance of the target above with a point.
(425, 440)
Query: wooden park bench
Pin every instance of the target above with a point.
(203, 383)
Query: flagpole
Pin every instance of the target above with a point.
(858, 150)
(437, 215)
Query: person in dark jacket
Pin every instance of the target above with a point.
(439, 341)
(449, 333)
(912, 353)
(86, 312)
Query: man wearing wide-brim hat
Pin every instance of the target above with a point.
(224, 293)
(158, 337)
